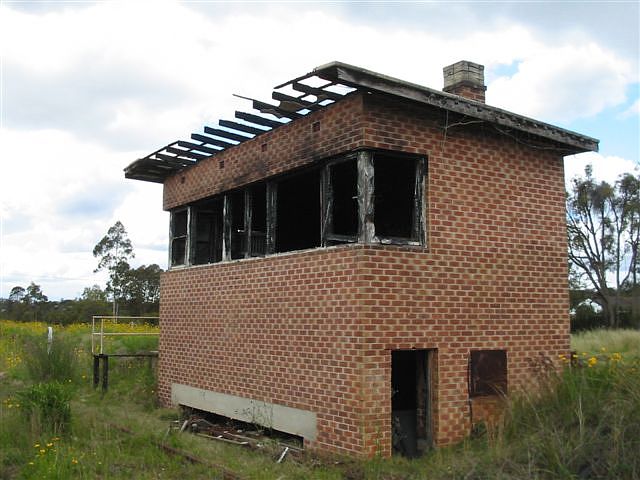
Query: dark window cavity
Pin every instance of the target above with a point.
(208, 232)
(396, 197)
(488, 373)
(179, 222)
(364, 197)
(298, 212)
(237, 222)
(341, 198)
(257, 211)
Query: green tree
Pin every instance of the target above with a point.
(94, 294)
(34, 295)
(142, 289)
(603, 225)
(17, 294)
(115, 251)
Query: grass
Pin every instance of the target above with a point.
(623, 341)
(583, 423)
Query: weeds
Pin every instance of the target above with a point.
(57, 363)
(47, 407)
(584, 422)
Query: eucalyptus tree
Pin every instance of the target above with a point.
(603, 225)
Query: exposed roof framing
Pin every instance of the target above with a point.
(357, 77)
(156, 166)
(319, 88)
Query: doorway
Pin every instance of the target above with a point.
(411, 401)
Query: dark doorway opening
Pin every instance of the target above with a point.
(411, 401)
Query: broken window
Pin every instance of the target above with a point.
(207, 232)
(298, 212)
(341, 199)
(488, 373)
(397, 197)
(365, 197)
(236, 220)
(257, 224)
(178, 246)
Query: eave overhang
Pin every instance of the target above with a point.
(321, 87)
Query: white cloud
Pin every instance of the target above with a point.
(605, 167)
(632, 111)
(58, 197)
(564, 83)
(88, 90)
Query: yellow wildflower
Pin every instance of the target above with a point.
(592, 361)
(74, 461)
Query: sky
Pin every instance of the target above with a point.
(89, 87)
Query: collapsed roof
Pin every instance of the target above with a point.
(319, 88)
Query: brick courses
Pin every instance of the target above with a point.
(314, 329)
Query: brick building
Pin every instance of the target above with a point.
(366, 263)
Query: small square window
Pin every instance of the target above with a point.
(488, 373)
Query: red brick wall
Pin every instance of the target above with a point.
(314, 329)
(284, 148)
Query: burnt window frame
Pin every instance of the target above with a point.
(418, 214)
(495, 384)
(173, 238)
(328, 236)
(365, 230)
(195, 211)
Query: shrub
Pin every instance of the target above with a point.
(59, 363)
(584, 422)
(47, 407)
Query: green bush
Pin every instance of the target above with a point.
(59, 363)
(47, 407)
(585, 422)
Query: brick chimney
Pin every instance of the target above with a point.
(465, 79)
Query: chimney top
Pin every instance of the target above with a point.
(466, 79)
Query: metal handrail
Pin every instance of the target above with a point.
(101, 334)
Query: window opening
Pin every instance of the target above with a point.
(208, 232)
(237, 222)
(411, 403)
(488, 373)
(366, 197)
(258, 220)
(341, 198)
(179, 220)
(396, 197)
(298, 212)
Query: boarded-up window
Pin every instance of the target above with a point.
(488, 373)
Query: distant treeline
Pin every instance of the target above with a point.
(140, 296)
